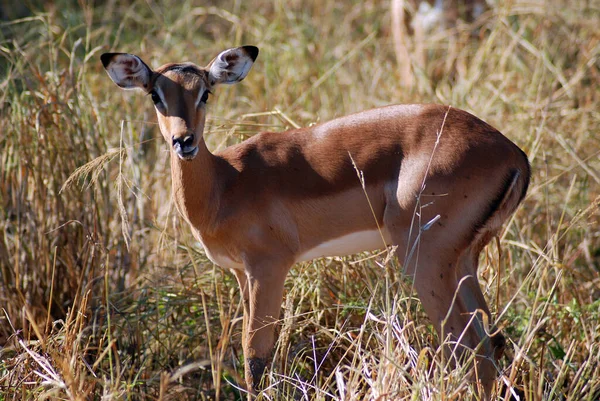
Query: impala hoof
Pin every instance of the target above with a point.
(498, 344)
(254, 370)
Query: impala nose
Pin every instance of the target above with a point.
(184, 146)
(183, 142)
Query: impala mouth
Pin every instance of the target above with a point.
(186, 152)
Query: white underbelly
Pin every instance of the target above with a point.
(348, 244)
(220, 259)
(224, 261)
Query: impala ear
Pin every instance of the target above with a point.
(232, 65)
(127, 71)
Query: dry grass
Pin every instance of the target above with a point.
(87, 314)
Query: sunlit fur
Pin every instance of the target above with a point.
(261, 205)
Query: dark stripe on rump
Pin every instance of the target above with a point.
(526, 177)
(495, 204)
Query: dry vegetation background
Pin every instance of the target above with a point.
(100, 305)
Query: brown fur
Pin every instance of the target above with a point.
(258, 206)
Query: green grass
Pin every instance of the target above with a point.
(93, 308)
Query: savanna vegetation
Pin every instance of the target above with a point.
(105, 295)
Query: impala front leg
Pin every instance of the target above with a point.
(265, 293)
(243, 284)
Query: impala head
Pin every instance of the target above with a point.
(180, 91)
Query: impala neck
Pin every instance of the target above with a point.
(195, 187)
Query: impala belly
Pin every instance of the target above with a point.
(215, 254)
(223, 260)
(348, 244)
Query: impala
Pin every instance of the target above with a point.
(429, 173)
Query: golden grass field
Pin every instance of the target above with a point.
(105, 295)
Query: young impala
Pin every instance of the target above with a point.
(285, 197)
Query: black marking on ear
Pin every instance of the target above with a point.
(106, 58)
(251, 51)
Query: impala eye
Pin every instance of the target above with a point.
(204, 97)
(155, 97)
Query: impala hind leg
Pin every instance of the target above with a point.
(451, 296)
(491, 340)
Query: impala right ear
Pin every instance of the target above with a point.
(127, 71)
(232, 65)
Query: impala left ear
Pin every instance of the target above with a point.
(232, 65)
